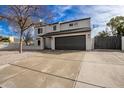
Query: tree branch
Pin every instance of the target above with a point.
(28, 26)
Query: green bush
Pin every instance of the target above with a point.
(5, 39)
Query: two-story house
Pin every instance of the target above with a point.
(69, 35)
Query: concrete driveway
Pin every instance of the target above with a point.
(102, 68)
(64, 69)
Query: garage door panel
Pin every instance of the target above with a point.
(71, 42)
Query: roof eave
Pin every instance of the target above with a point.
(49, 35)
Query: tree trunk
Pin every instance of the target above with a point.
(20, 43)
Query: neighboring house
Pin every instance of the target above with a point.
(11, 39)
(70, 35)
(16, 40)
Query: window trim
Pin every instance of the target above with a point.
(40, 30)
(54, 27)
(76, 23)
(71, 24)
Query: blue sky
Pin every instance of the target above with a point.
(99, 14)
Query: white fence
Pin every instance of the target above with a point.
(15, 46)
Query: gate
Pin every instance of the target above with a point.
(111, 42)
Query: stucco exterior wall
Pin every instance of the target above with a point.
(11, 39)
(47, 42)
(53, 43)
(48, 28)
(44, 31)
(50, 42)
(42, 43)
(92, 43)
(88, 41)
(65, 26)
(80, 24)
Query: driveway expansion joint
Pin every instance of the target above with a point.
(59, 76)
(74, 85)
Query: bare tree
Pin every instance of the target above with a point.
(28, 37)
(23, 17)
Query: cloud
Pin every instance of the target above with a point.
(6, 31)
(1, 29)
(100, 14)
(60, 11)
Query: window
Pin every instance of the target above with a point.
(54, 27)
(40, 30)
(75, 24)
(38, 42)
(70, 24)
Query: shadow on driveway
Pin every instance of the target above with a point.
(107, 50)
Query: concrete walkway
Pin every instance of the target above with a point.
(63, 69)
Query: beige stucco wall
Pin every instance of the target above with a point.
(48, 42)
(53, 43)
(92, 43)
(49, 28)
(41, 43)
(11, 39)
(80, 24)
(44, 31)
(88, 41)
(65, 26)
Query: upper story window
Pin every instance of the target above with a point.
(71, 24)
(76, 24)
(40, 30)
(54, 27)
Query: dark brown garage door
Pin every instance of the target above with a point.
(71, 43)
